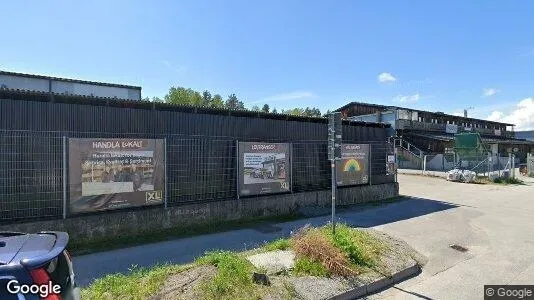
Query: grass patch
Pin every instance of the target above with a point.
(278, 244)
(79, 247)
(306, 266)
(233, 279)
(138, 284)
(360, 247)
(318, 253)
(349, 252)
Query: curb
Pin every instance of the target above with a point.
(378, 285)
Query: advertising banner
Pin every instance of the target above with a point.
(264, 168)
(451, 128)
(109, 174)
(353, 168)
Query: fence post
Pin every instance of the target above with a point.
(64, 177)
(489, 168)
(370, 162)
(238, 168)
(166, 175)
(509, 164)
(423, 169)
(513, 165)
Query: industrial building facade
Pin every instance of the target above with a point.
(433, 132)
(63, 86)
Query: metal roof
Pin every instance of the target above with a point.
(450, 137)
(385, 107)
(69, 80)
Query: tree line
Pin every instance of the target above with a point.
(187, 96)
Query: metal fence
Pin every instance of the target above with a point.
(199, 169)
(443, 162)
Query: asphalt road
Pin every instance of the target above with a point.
(495, 224)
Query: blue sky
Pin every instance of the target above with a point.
(437, 56)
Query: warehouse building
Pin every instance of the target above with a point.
(10, 81)
(425, 132)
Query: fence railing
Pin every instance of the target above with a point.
(199, 169)
(481, 164)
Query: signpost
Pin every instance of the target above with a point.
(334, 154)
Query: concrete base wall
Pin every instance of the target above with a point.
(117, 223)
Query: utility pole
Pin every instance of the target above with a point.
(334, 154)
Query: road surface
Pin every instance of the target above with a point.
(495, 223)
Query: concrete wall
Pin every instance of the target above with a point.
(131, 222)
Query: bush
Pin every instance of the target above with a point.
(278, 244)
(314, 245)
(361, 248)
(306, 266)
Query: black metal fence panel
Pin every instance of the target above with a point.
(201, 150)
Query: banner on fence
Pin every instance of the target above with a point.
(451, 128)
(264, 168)
(109, 174)
(353, 168)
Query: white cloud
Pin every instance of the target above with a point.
(495, 116)
(522, 115)
(407, 98)
(490, 92)
(296, 95)
(386, 77)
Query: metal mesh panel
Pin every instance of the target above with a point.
(30, 175)
(201, 150)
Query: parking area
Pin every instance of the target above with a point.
(495, 223)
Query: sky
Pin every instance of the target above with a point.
(446, 56)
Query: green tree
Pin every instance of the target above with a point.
(217, 101)
(255, 108)
(265, 108)
(183, 96)
(206, 98)
(306, 112)
(274, 111)
(233, 103)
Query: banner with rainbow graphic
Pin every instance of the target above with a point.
(353, 168)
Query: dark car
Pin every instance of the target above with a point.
(36, 267)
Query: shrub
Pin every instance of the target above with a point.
(278, 244)
(314, 245)
(306, 266)
(360, 247)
